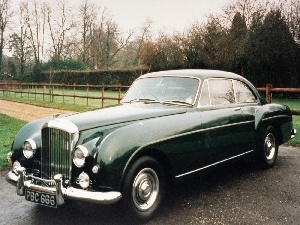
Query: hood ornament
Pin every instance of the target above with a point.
(56, 115)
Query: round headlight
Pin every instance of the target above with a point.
(80, 154)
(29, 148)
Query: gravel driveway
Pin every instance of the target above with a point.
(27, 112)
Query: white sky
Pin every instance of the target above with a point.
(167, 15)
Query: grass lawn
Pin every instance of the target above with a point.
(8, 129)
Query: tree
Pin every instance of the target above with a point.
(18, 43)
(58, 64)
(246, 8)
(35, 16)
(236, 43)
(88, 15)
(59, 28)
(292, 14)
(215, 45)
(193, 45)
(148, 54)
(271, 51)
(5, 16)
(167, 53)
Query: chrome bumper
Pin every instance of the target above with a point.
(19, 178)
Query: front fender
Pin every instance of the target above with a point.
(31, 130)
(120, 147)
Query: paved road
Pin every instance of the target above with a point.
(239, 194)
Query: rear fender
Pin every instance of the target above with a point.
(275, 115)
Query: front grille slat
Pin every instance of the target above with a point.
(56, 153)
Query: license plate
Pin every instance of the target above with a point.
(40, 198)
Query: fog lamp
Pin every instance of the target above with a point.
(96, 169)
(80, 154)
(15, 166)
(9, 158)
(83, 180)
(29, 148)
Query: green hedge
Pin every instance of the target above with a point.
(93, 77)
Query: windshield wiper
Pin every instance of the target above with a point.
(176, 102)
(146, 100)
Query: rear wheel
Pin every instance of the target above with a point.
(268, 149)
(143, 189)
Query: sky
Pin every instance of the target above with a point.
(166, 15)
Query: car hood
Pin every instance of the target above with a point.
(121, 114)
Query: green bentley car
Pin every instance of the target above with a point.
(169, 125)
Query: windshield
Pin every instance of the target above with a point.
(163, 89)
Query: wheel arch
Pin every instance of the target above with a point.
(278, 132)
(264, 127)
(158, 155)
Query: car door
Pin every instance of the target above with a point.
(223, 120)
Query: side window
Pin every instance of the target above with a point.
(221, 91)
(242, 93)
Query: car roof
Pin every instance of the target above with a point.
(199, 73)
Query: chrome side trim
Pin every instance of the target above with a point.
(272, 117)
(208, 166)
(182, 135)
(194, 132)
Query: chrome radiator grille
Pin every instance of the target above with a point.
(56, 153)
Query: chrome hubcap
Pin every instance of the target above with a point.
(270, 146)
(145, 189)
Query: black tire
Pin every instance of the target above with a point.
(144, 189)
(268, 148)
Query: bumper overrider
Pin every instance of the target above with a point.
(24, 183)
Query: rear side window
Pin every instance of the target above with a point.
(221, 91)
(225, 91)
(242, 93)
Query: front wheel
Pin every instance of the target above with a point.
(268, 149)
(143, 189)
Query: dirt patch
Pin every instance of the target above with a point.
(27, 112)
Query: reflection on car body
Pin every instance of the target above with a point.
(170, 124)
